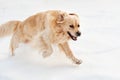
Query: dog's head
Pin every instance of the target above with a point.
(69, 23)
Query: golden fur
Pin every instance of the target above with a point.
(43, 30)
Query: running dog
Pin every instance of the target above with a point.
(44, 29)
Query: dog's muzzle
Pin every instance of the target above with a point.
(74, 37)
(78, 33)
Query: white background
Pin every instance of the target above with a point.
(98, 47)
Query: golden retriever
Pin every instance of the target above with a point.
(44, 29)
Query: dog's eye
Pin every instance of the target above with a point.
(78, 25)
(71, 26)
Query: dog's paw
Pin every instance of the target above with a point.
(46, 54)
(77, 61)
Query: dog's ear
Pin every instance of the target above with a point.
(73, 14)
(61, 18)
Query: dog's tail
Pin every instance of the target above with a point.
(8, 28)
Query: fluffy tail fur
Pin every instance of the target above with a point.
(8, 28)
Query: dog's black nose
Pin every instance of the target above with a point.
(78, 33)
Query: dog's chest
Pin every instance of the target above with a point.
(60, 38)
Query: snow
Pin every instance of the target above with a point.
(98, 47)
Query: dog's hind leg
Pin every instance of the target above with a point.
(14, 43)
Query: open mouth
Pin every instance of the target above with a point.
(72, 37)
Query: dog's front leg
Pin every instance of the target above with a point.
(45, 47)
(68, 53)
(47, 51)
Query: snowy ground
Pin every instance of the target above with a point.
(98, 47)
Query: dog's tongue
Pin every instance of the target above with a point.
(75, 38)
